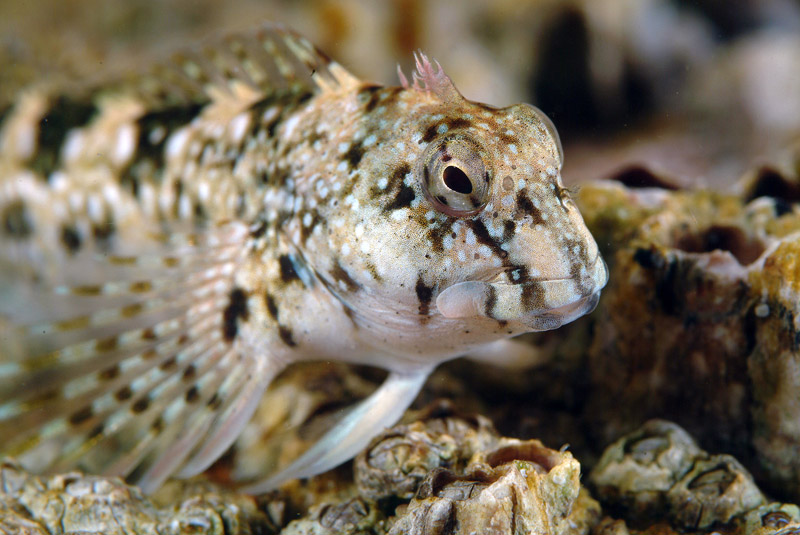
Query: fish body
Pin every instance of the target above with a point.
(171, 242)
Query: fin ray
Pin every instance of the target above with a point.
(354, 431)
(140, 377)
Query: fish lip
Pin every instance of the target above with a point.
(496, 298)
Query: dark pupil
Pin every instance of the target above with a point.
(457, 180)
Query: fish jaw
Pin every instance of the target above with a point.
(539, 305)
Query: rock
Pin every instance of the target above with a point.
(77, 503)
(699, 321)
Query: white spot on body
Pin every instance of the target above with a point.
(73, 146)
(124, 145)
(176, 144)
(470, 237)
(290, 125)
(238, 127)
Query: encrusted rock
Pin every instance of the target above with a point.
(400, 458)
(520, 487)
(76, 503)
(461, 477)
(636, 471)
(352, 517)
(700, 322)
(658, 474)
(715, 490)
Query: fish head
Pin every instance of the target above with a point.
(463, 224)
(534, 262)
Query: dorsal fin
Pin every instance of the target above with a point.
(270, 60)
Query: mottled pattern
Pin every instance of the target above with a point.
(171, 242)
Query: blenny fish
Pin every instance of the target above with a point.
(171, 241)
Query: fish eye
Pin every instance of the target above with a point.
(454, 176)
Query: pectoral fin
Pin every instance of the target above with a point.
(354, 431)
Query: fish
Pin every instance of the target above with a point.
(172, 239)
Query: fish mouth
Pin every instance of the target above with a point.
(539, 305)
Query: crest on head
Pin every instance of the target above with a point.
(429, 78)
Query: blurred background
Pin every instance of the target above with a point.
(696, 92)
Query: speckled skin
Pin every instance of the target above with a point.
(172, 242)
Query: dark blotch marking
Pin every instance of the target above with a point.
(168, 120)
(16, 220)
(509, 228)
(425, 295)
(482, 235)
(106, 344)
(526, 207)
(141, 405)
(491, 301)
(158, 425)
(430, 133)
(199, 212)
(354, 154)
(286, 335)
(395, 181)
(457, 122)
(215, 402)
(260, 230)
(340, 274)
(506, 139)
(109, 373)
(532, 296)
(64, 115)
(272, 307)
(103, 232)
(369, 96)
(169, 363)
(402, 199)
(190, 372)
(96, 431)
(288, 273)
(71, 238)
(236, 309)
(192, 394)
(123, 393)
(80, 416)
